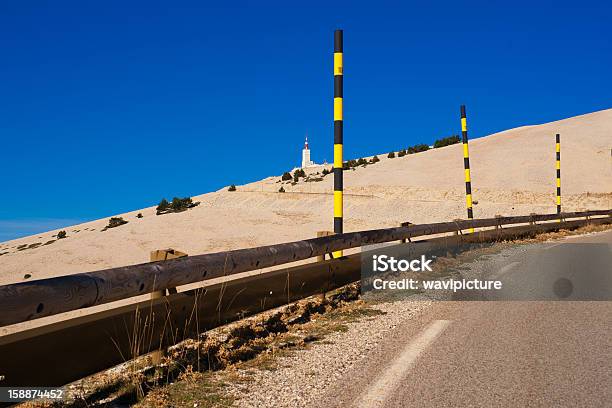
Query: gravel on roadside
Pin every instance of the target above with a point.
(304, 376)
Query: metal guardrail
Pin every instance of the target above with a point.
(67, 345)
(25, 301)
(61, 352)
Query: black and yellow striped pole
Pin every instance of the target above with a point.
(338, 160)
(466, 167)
(558, 158)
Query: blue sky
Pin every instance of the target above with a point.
(107, 107)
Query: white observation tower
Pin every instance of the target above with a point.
(306, 162)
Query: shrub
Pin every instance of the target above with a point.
(61, 234)
(401, 153)
(362, 162)
(298, 173)
(139, 215)
(325, 172)
(350, 164)
(181, 204)
(232, 188)
(281, 190)
(163, 205)
(286, 176)
(177, 205)
(374, 159)
(446, 141)
(391, 155)
(417, 148)
(115, 222)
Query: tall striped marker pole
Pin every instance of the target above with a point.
(558, 157)
(466, 166)
(338, 160)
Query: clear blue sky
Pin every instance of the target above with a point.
(109, 106)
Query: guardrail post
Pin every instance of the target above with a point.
(458, 230)
(466, 166)
(498, 217)
(321, 258)
(558, 165)
(320, 234)
(405, 224)
(162, 255)
(338, 134)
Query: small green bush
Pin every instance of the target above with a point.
(391, 155)
(417, 148)
(350, 164)
(326, 172)
(163, 205)
(281, 190)
(401, 153)
(139, 215)
(181, 204)
(299, 173)
(446, 141)
(374, 159)
(177, 205)
(232, 188)
(114, 222)
(362, 162)
(286, 176)
(61, 234)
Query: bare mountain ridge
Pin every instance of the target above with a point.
(513, 172)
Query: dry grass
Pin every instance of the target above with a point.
(196, 369)
(587, 229)
(191, 389)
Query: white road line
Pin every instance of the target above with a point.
(376, 395)
(504, 269)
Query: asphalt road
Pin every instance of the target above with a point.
(538, 353)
